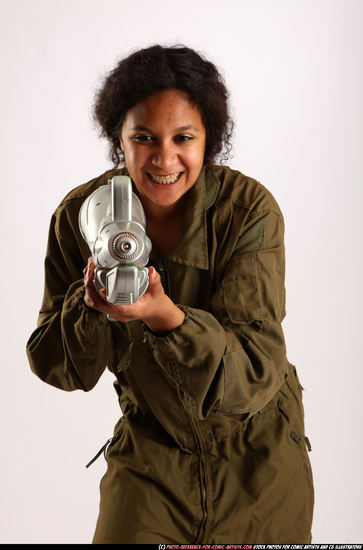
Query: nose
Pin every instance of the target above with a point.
(164, 156)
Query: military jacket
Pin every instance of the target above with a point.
(193, 389)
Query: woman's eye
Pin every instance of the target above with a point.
(142, 138)
(182, 138)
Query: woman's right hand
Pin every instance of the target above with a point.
(154, 307)
(91, 297)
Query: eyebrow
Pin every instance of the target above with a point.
(180, 129)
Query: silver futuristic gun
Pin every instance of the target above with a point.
(112, 222)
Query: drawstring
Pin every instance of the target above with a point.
(298, 438)
(104, 448)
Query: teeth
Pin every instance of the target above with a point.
(165, 180)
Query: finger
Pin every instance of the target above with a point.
(88, 278)
(90, 264)
(95, 301)
(92, 298)
(86, 266)
(89, 268)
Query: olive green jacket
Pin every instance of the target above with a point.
(210, 445)
(226, 274)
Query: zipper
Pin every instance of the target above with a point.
(203, 481)
(162, 268)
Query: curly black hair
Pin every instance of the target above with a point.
(155, 69)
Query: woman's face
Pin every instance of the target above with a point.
(163, 140)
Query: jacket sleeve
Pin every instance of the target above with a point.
(232, 359)
(72, 343)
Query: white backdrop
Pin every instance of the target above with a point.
(295, 72)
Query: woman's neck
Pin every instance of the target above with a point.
(164, 226)
(163, 215)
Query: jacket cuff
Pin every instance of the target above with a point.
(199, 338)
(154, 337)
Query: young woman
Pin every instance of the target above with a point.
(210, 447)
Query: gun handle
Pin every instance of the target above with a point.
(124, 284)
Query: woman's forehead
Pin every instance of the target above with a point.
(172, 108)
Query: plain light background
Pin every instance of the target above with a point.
(295, 72)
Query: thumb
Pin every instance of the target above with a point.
(154, 276)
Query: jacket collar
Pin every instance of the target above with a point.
(192, 249)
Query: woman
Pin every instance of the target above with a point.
(210, 447)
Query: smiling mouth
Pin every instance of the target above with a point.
(165, 180)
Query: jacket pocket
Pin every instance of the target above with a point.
(240, 293)
(241, 396)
